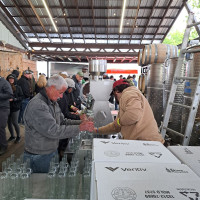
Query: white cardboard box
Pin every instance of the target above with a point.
(133, 151)
(149, 190)
(110, 179)
(189, 155)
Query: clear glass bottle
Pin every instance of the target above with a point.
(51, 185)
(25, 185)
(4, 185)
(61, 182)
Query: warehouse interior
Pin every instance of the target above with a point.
(99, 39)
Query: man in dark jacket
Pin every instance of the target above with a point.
(24, 83)
(65, 103)
(5, 95)
(76, 93)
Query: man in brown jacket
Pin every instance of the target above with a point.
(135, 119)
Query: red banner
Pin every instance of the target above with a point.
(122, 71)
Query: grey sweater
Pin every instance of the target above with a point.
(45, 125)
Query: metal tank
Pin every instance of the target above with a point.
(97, 67)
(155, 90)
(176, 116)
(192, 70)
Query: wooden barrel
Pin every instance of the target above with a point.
(139, 61)
(143, 83)
(140, 82)
(158, 53)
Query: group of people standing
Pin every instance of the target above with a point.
(16, 93)
(51, 116)
(14, 96)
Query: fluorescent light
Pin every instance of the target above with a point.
(122, 17)
(47, 9)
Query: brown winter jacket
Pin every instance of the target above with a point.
(135, 117)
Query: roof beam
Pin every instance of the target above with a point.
(132, 59)
(173, 21)
(79, 17)
(62, 7)
(135, 19)
(38, 17)
(123, 59)
(113, 34)
(79, 58)
(9, 46)
(14, 22)
(25, 19)
(99, 17)
(97, 7)
(169, 4)
(154, 5)
(88, 46)
(89, 54)
(10, 27)
(93, 19)
(98, 26)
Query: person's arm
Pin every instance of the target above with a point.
(38, 117)
(6, 92)
(132, 107)
(109, 128)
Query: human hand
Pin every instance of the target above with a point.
(95, 130)
(83, 117)
(74, 108)
(86, 126)
(10, 99)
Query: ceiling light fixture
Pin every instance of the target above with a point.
(47, 9)
(122, 17)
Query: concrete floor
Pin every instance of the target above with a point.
(13, 148)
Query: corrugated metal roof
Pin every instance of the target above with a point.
(81, 23)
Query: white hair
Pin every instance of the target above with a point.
(57, 81)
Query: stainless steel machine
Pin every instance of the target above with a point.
(100, 90)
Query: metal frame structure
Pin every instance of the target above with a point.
(89, 29)
(195, 103)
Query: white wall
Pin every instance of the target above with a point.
(41, 67)
(7, 37)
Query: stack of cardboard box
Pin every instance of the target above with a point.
(139, 170)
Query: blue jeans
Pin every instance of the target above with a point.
(22, 108)
(39, 163)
